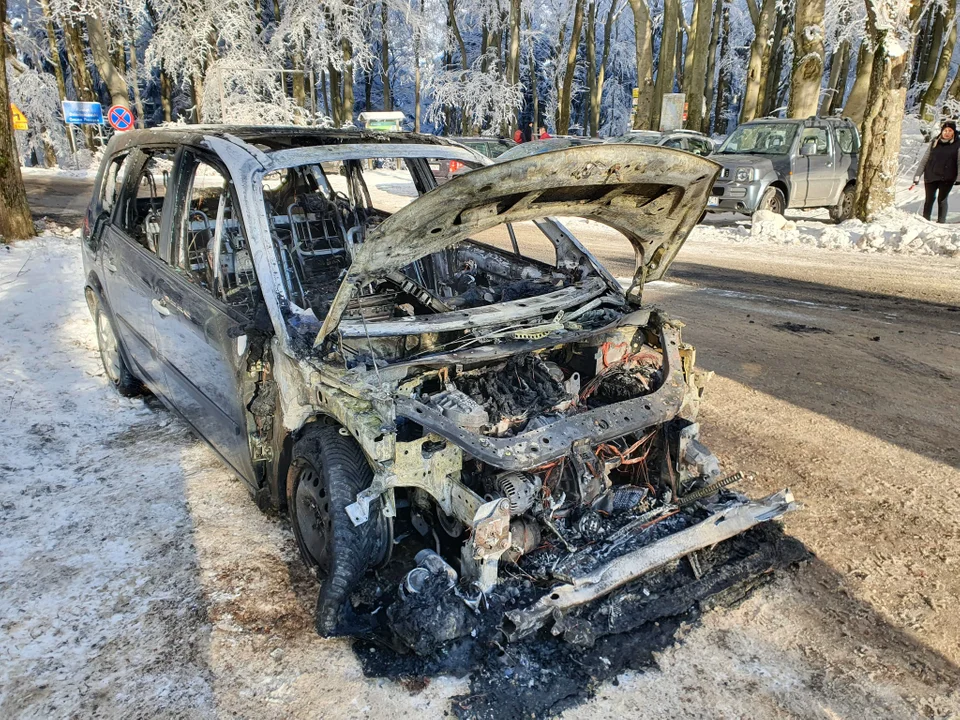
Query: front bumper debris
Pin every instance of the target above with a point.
(584, 589)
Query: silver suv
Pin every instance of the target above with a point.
(775, 164)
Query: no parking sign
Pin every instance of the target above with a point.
(120, 118)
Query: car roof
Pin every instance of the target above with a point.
(269, 138)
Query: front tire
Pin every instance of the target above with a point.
(843, 210)
(327, 472)
(773, 200)
(114, 365)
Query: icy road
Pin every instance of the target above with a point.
(137, 578)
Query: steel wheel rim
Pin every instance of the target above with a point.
(109, 350)
(313, 515)
(773, 204)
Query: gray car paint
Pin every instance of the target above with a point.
(788, 170)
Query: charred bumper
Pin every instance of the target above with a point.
(532, 449)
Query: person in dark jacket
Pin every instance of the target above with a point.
(939, 168)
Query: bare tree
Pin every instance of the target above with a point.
(807, 59)
(883, 116)
(15, 220)
(643, 32)
(695, 74)
(566, 90)
(939, 78)
(667, 66)
(763, 18)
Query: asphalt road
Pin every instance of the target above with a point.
(60, 198)
(837, 374)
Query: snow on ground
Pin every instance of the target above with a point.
(85, 172)
(88, 589)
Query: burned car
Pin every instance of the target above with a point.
(396, 383)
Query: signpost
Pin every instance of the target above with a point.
(673, 112)
(19, 119)
(81, 113)
(120, 118)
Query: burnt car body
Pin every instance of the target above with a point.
(379, 375)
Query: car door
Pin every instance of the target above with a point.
(131, 268)
(820, 181)
(207, 304)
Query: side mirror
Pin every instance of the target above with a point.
(808, 149)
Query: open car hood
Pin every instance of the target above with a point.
(652, 195)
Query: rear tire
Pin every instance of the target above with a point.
(114, 365)
(327, 472)
(843, 210)
(772, 200)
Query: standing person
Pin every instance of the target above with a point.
(939, 168)
(544, 135)
(518, 136)
(528, 132)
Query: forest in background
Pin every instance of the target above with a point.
(462, 68)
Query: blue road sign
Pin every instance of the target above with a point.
(120, 118)
(82, 113)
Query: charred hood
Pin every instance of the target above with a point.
(654, 196)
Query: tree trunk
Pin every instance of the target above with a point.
(346, 108)
(807, 59)
(643, 32)
(597, 99)
(196, 94)
(667, 65)
(835, 82)
(134, 72)
(54, 48)
(336, 99)
(883, 117)
(15, 220)
(385, 59)
(416, 76)
(939, 78)
(712, 63)
(591, 48)
(115, 81)
(856, 103)
(763, 21)
(927, 64)
(462, 46)
(166, 95)
(720, 120)
(299, 82)
(563, 126)
(695, 76)
(533, 81)
(773, 67)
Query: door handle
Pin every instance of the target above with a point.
(160, 307)
(108, 264)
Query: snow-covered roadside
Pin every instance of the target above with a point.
(88, 173)
(98, 572)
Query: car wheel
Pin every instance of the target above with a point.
(772, 200)
(843, 210)
(114, 365)
(327, 471)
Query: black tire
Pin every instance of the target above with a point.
(773, 200)
(843, 210)
(327, 471)
(111, 355)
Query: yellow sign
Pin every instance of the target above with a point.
(19, 119)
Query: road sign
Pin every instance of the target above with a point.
(19, 119)
(82, 113)
(120, 118)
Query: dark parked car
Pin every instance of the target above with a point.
(692, 142)
(390, 377)
(775, 164)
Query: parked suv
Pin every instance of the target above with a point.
(420, 376)
(775, 164)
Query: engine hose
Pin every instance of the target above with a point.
(708, 490)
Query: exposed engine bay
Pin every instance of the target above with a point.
(528, 428)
